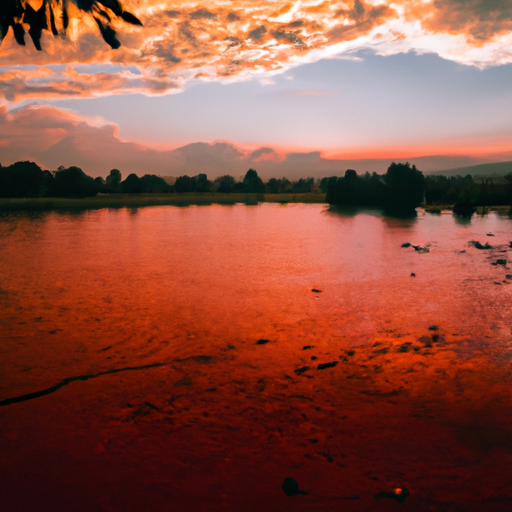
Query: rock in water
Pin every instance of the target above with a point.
(323, 366)
(291, 487)
(478, 245)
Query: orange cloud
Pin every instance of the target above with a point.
(480, 21)
(184, 40)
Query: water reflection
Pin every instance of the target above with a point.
(462, 221)
(187, 293)
(405, 221)
(352, 211)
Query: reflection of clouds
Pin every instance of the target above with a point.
(181, 40)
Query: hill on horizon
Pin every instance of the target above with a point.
(490, 170)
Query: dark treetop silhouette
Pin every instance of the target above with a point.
(19, 14)
(400, 190)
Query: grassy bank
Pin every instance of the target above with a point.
(138, 200)
(187, 199)
(480, 210)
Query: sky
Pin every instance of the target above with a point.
(296, 89)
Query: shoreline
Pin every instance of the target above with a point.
(188, 199)
(140, 200)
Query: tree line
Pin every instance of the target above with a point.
(402, 187)
(27, 179)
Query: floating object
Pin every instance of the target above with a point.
(291, 487)
(478, 245)
(398, 494)
(323, 366)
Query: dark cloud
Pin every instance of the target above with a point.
(232, 16)
(291, 37)
(480, 20)
(257, 33)
(172, 13)
(202, 14)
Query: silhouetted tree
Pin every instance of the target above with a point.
(23, 179)
(152, 184)
(72, 182)
(406, 187)
(131, 185)
(20, 15)
(252, 182)
(113, 180)
(303, 186)
(185, 184)
(224, 184)
(508, 180)
(324, 183)
(202, 184)
(278, 186)
(400, 189)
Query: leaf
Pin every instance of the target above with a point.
(37, 22)
(113, 5)
(19, 33)
(105, 15)
(108, 34)
(130, 18)
(85, 5)
(65, 17)
(55, 32)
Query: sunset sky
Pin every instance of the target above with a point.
(289, 88)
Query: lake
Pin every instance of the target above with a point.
(189, 349)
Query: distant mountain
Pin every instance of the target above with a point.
(496, 169)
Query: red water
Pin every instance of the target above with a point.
(223, 420)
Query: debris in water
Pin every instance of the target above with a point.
(399, 494)
(478, 245)
(262, 342)
(316, 290)
(291, 487)
(323, 366)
